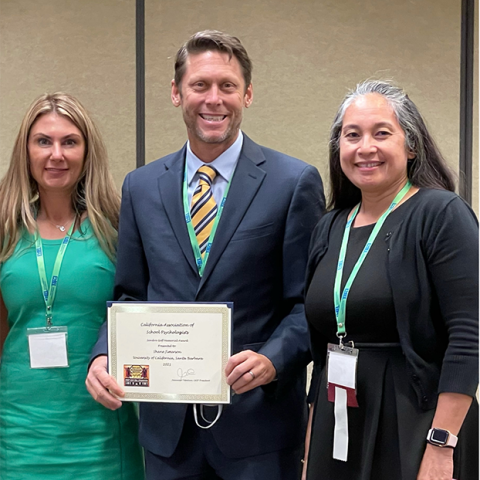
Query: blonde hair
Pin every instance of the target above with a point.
(95, 192)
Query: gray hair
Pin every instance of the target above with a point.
(428, 168)
(404, 109)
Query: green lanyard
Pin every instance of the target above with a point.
(201, 262)
(341, 303)
(49, 291)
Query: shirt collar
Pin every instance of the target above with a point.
(224, 164)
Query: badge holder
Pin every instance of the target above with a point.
(48, 347)
(342, 391)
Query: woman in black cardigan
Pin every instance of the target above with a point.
(392, 287)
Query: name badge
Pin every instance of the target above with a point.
(342, 372)
(342, 382)
(48, 347)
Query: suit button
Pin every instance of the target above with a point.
(424, 399)
(415, 378)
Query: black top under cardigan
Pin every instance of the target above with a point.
(433, 273)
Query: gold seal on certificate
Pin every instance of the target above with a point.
(170, 352)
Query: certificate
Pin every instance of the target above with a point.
(170, 352)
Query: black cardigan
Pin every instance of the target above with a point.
(433, 272)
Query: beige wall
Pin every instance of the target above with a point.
(306, 55)
(86, 48)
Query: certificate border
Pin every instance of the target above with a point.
(224, 309)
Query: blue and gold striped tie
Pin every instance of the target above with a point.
(204, 209)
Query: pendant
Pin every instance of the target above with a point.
(61, 228)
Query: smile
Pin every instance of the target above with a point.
(369, 164)
(213, 118)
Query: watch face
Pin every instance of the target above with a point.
(439, 436)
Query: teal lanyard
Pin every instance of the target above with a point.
(341, 303)
(49, 291)
(201, 262)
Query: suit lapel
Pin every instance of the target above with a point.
(170, 185)
(246, 181)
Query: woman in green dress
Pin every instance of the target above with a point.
(58, 229)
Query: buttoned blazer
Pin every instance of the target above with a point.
(257, 261)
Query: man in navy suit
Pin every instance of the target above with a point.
(257, 261)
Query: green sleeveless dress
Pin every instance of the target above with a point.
(50, 427)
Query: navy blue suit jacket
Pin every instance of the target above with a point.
(257, 261)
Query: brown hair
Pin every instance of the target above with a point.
(213, 40)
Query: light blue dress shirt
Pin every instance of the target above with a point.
(224, 165)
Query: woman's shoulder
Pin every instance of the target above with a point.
(329, 218)
(439, 216)
(436, 195)
(442, 203)
(324, 226)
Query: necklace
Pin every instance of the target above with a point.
(61, 227)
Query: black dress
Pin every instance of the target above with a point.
(387, 431)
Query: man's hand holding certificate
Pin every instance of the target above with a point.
(166, 352)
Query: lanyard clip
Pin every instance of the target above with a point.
(342, 345)
(48, 318)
